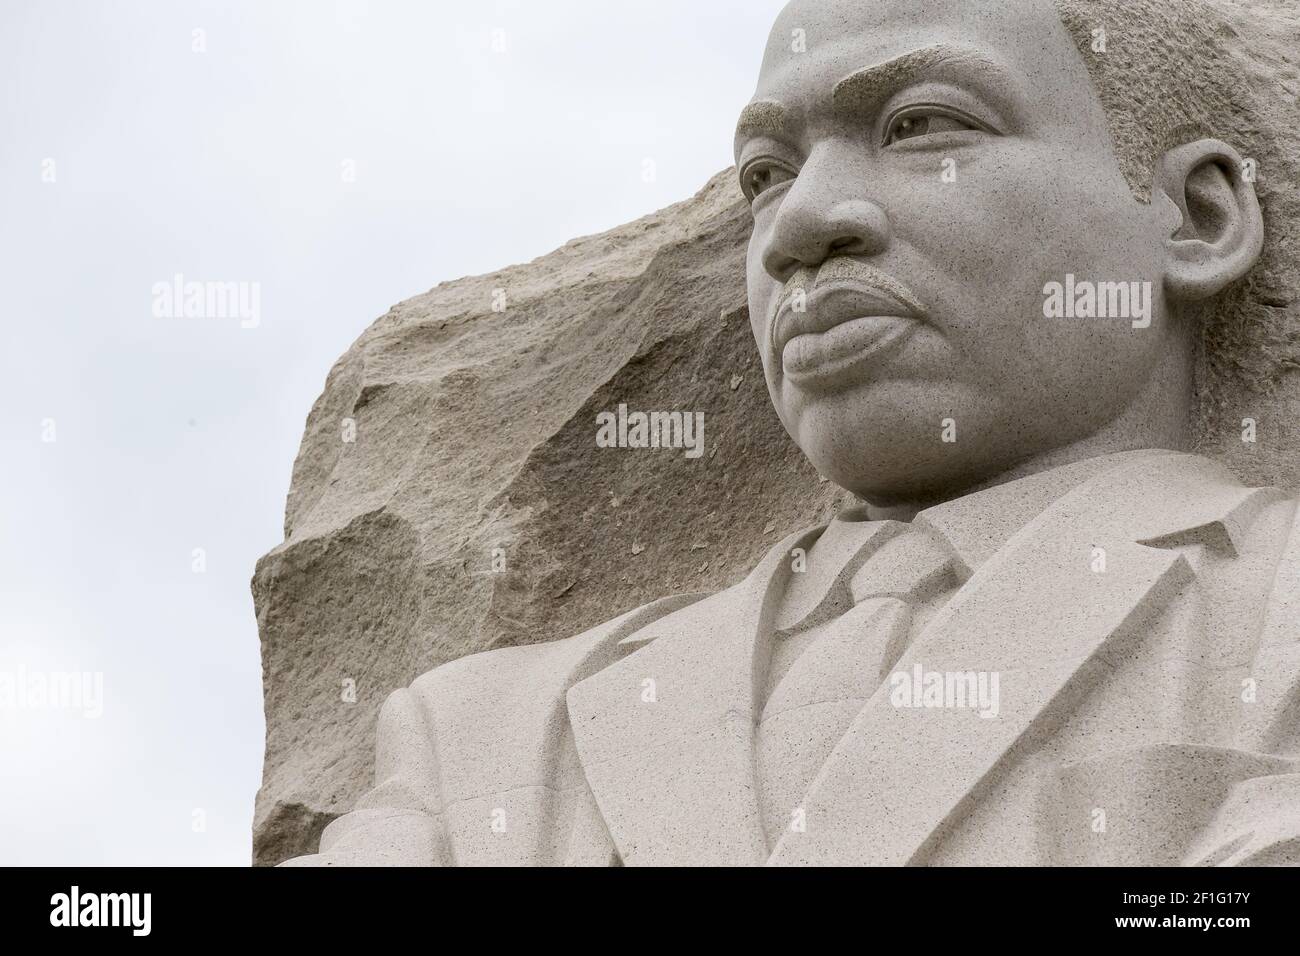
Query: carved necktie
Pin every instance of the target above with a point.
(840, 659)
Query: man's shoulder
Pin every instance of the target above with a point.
(1243, 519)
(1168, 498)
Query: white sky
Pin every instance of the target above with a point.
(176, 434)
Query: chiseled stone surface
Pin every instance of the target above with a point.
(1044, 632)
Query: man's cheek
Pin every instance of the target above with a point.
(761, 291)
(989, 238)
(754, 274)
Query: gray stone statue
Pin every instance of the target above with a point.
(1004, 257)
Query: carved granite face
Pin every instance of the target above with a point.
(919, 172)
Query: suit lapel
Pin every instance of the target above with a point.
(666, 735)
(1038, 616)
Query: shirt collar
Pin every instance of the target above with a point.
(978, 525)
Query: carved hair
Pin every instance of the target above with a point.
(1175, 71)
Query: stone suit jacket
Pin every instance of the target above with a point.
(1150, 714)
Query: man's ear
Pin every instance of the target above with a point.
(1222, 231)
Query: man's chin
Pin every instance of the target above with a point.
(888, 473)
(888, 488)
(895, 440)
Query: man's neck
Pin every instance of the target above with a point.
(1056, 458)
(1151, 421)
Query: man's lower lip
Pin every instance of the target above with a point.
(825, 358)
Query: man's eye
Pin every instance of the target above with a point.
(760, 177)
(916, 123)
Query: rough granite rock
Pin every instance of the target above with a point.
(475, 431)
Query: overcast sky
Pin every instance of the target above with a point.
(342, 155)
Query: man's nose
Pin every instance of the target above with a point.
(813, 224)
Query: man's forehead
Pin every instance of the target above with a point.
(821, 51)
(835, 18)
(822, 41)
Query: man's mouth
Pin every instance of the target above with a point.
(826, 329)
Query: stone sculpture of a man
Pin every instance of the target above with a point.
(1004, 255)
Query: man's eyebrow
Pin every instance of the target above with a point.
(763, 118)
(863, 91)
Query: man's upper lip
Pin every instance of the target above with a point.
(833, 303)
